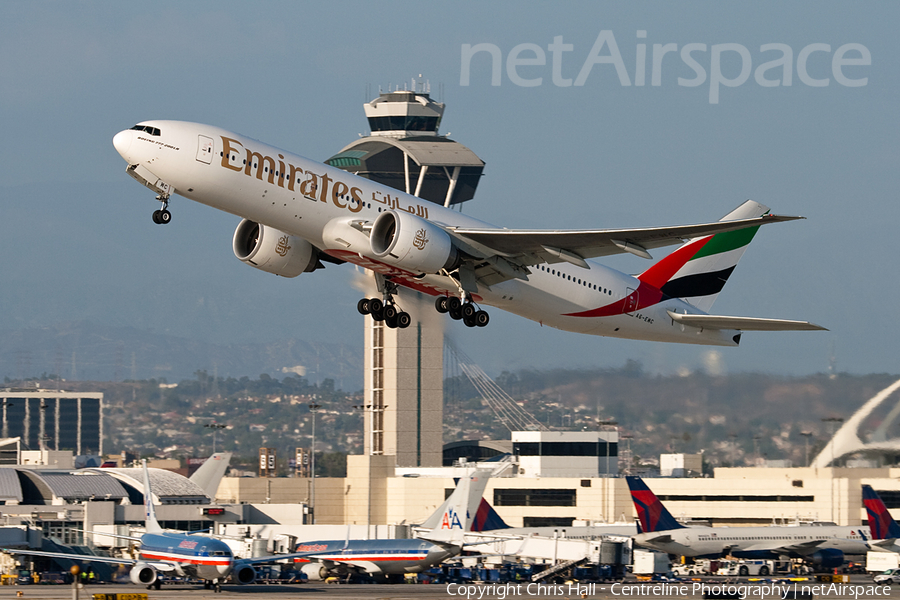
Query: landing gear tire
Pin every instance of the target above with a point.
(389, 312)
(403, 320)
(455, 314)
(157, 585)
(164, 217)
(469, 321)
(375, 305)
(218, 587)
(363, 306)
(468, 310)
(482, 318)
(440, 304)
(453, 303)
(391, 322)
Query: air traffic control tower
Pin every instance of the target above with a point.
(404, 367)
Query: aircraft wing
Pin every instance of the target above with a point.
(773, 546)
(545, 245)
(75, 557)
(274, 558)
(743, 323)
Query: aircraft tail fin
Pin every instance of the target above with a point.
(697, 271)
(487, 519)
(652, 514)
(881, 523)
(210, 473)
(450, 522)
(151, 525)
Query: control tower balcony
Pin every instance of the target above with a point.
(405, 152)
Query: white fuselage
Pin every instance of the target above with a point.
(221, 177)
(719, 541)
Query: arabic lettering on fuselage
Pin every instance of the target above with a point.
(321, 188)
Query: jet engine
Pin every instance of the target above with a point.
(314, 571)
(411, 243)
(143, 574)
(244, 574)
(273, 251)
(827, 559)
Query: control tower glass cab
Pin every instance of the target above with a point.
(405, 151)
(404, 114)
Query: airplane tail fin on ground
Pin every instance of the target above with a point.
(487, 519)
(652, 514)
(151, 525)
(210, 473)
(881, 523)
(451, 521)
(698, 269)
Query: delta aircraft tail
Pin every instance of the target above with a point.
(652, 514)
(697, 271)
(450, 522)
(881, 523)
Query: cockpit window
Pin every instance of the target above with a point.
(219, 553)
(147, 128)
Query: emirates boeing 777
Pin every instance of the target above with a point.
(298, 214)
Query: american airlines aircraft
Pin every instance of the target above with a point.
(298, 214)
(823, 546)
(388, 560)
(179, 554)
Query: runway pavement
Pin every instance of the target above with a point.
(860, 587)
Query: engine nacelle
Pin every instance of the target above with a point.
(273, 251)
(827, 559)
(244, 574)
(314, 571)
(411, 243)
(143, 574)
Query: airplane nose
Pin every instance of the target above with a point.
(122, 142)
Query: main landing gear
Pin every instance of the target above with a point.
(384, 311)
(162, 216)
(466, 311)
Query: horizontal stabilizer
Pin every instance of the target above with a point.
(743, 323)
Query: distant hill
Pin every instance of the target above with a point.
(89, 351)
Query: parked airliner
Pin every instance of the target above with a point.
(298, 214)
(389, 560)
(179, 554)
(823, 546)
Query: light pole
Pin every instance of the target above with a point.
(215, 429)
(363, 408)
(609, 423)
(313, 408)
(806, 435)
(832, 423)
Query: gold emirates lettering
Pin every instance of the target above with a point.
(313, 186)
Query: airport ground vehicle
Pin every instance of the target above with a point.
(746, 567)
(889, 577)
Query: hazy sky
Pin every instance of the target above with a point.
(567, 144)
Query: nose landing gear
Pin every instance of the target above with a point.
(162, 216)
